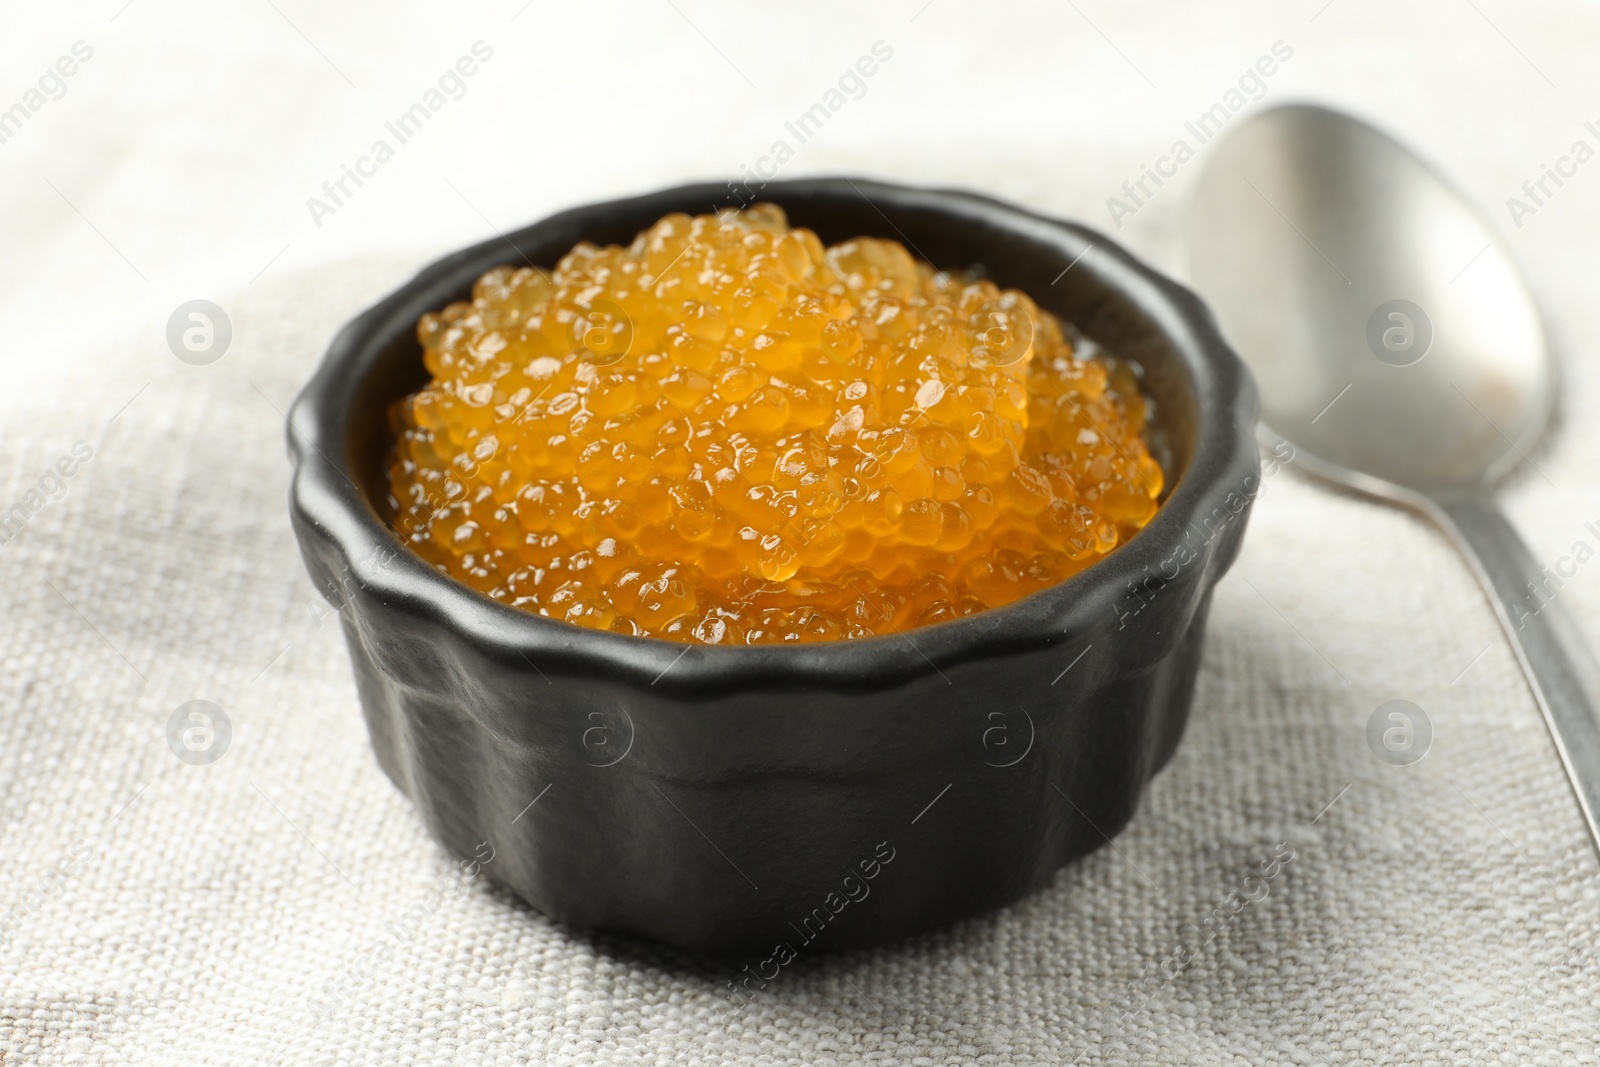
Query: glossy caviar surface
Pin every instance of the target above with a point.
(727, 433)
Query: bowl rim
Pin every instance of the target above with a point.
(327, 504)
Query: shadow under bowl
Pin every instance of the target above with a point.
(830, 795)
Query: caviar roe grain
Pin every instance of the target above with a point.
(727, 433)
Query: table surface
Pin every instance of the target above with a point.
(154, 911)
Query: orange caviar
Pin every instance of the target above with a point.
(727, 433)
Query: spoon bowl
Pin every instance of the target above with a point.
(1389, 329)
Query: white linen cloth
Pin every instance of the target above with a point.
(158, 912)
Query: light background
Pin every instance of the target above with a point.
(1444, 913)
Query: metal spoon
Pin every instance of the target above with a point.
(1400, 352)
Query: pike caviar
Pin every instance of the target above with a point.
(727, 433)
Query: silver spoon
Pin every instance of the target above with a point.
(1400, 353)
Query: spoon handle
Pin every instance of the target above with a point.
(1560, 668)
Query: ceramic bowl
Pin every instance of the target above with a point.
(814, 796)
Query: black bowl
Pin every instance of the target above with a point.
(830, 795)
